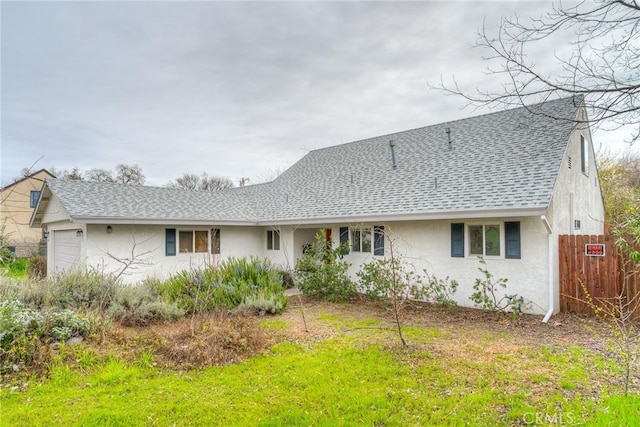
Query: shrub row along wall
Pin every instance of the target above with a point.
(600, 277)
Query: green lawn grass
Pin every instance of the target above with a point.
(359, 377)
(16, 269)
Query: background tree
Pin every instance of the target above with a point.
(70, 175)
(99, 175)
(204, 182)
(129, 174)
(603, 63)
(620, 184)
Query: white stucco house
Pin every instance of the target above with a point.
(502, 185)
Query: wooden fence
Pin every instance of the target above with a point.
(603, 277)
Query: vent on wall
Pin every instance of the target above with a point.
(569, 161)
(576, 224)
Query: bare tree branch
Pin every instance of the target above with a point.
(602, 64)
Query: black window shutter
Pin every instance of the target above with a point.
(344, 237)
(170, 242)
(378, 240)
(512, 240)
(457, 240)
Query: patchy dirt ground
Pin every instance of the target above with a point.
(562, 329)
(222, 338)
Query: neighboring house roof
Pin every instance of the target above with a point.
(502, 161)
(31, 175)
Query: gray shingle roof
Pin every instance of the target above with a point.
(506, 159)
(107, 200)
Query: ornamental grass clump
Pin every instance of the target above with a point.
(235, 282)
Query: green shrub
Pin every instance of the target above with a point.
(487, 296)
(321, 272)
(67, 323)
(87, 290)
(23, 330)
(441, 291)
(226, 286)
(141, 305)
(6, 256)
(262, 304)
(383, 279)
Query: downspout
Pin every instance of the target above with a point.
(551, 290)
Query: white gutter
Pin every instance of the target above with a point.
(437, 215)
(153, 221)
(551, 290)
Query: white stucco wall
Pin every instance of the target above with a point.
(423, 244)
(149, 242)
(577, 195)
(426, 245)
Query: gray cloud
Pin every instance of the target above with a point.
(234, 89)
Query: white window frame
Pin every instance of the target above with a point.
(352, 240)
(500, 225)
(193, 241)
(272, 241)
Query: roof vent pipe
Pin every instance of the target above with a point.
(448, 131)
(392, 146)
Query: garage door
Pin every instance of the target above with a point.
(66, 250)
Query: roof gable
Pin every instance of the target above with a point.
(35, 175)
(507, 159)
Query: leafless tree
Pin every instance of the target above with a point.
(204, 182)
(99, 175)
(129, 174)
(68, 175)
(214, 183)
(603, 63)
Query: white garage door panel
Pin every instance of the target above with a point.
(66, 252)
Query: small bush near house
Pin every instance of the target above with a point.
(235, 282)
(86, 290)
(487, 294)
(384, 279)
(321, 272)
(141, 305)
(262, 304)
(441, 291)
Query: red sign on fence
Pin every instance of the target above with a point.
(594, 249)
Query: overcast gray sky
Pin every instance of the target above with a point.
(231, 88)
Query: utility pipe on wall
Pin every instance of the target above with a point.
(551, 290)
